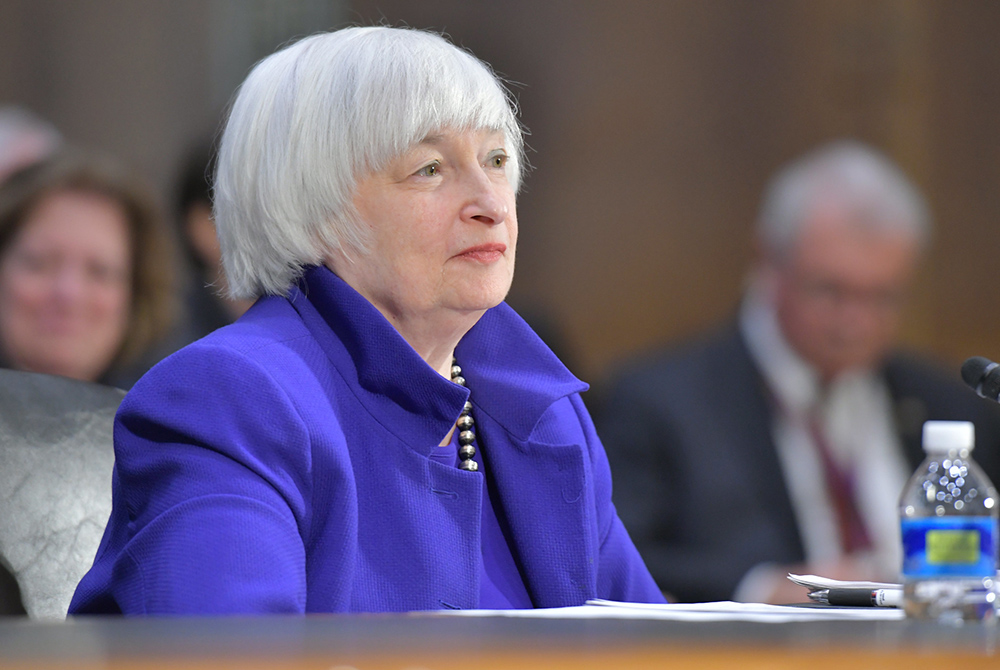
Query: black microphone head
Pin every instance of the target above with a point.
(983, 375)
(974, 369)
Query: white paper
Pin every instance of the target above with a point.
(815, 582)
(715, 611)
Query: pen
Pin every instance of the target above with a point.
(849, 597)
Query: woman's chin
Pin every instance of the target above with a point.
(481, 297)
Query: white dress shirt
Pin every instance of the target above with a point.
(856, 415)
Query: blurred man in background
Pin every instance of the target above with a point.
(781, 442)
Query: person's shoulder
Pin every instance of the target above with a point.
(924, 389)
(909, 371)
(915, 378)
(271, 333)
(270, 320)
(705, 355)
(269, 338)
(264, 370)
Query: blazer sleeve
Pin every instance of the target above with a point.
(210, 494)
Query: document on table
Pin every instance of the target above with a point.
(813, 582)
(717, 611)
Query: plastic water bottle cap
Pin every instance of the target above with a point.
(945, 435)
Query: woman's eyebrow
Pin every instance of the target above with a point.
(433, 139)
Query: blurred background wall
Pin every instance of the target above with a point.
(654, 127)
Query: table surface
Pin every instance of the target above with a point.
(433, 642)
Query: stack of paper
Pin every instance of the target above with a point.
(717, 611)
(815, 582)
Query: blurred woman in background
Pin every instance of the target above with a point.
(86, 271)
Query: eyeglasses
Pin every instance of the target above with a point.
(887, 300)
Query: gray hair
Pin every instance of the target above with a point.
(313, 118)
(860, 182)
(24, 139)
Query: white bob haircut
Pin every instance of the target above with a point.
(315, 117)
(864, 186)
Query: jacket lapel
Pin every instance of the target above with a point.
(548, 508)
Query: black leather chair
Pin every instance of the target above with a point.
(56, 457)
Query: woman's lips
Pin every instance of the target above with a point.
(484, 253)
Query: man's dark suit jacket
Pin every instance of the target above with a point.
(697, 480)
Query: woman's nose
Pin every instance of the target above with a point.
(68, 283)
(485, 203)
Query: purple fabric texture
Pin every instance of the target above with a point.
(500, 583)
(282, 464)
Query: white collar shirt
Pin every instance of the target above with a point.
(855, 413)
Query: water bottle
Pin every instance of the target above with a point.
(948, 518)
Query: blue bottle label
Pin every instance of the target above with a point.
(949, 547)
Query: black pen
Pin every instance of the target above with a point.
(854, 597)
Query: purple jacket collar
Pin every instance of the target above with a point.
(513, 383)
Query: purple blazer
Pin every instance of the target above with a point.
(281, 464)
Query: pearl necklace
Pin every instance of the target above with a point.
(466, 436)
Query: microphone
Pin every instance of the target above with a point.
(983, 375)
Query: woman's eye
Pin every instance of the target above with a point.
(99, 273)
(498, 160)
(37, 263)
(429, 170)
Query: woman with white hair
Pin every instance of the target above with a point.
(379, 432)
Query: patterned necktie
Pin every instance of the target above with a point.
(840, 488)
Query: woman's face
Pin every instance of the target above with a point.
(443, 227)
(65, 286)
